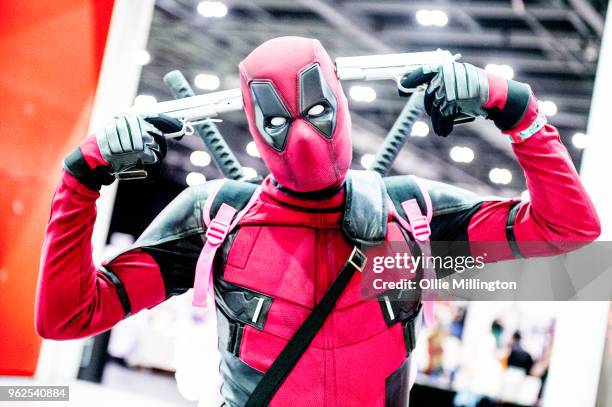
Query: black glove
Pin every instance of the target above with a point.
(129, 143)
(457, 88)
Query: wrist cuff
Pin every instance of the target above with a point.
(91, 152)
(76, 165)
(515, 107)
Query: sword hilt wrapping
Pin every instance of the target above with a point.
(221, 154)
(398, 135)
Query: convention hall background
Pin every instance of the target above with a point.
(67, 67)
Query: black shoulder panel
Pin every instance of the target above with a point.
(182, 217)
(234, 193)
(452, 207)
(447, 198)
(402, 188)
(365, 212)
(175, 238)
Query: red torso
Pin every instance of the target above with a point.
(292, 253)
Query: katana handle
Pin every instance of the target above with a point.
(399, 133)
(221, 154)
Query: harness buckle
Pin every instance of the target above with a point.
(217, 232)
(420, 228)
(357, 259)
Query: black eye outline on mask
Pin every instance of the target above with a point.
(314, 91)
(267, 106)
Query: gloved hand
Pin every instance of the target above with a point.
(456, 87)
(128, 143)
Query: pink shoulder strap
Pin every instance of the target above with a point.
(417, 224)
(226, 219)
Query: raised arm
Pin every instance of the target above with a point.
(559, 216)
(74, 299)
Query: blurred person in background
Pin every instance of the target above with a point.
(497, 329)
(435, 348)
(479, 378)
(519, 357)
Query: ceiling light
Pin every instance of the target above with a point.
(249, 172)
(367, 160)
(500, 176)
(462, 154)
(206, 81)
(142, 57)
(436, 18)
(251, 149)
(144, 100)
(195, 178)
(503, 70)
(214, 9)
(439, 18)
(548, 108)
(579, 140)
(362, 93)
(419, 129)
(200, 158)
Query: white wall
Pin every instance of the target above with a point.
(129, 30)
(581, 326)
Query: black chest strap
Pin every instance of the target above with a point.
(297, 345)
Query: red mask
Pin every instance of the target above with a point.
(297, 113)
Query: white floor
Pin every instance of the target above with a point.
(120, 387)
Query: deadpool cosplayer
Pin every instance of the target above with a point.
(292, 235)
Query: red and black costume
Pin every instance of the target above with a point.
(289, 246)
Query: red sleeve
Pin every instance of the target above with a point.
(559, 216)
(74, 299)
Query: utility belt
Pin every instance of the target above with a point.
(236, 307)
(239, 306)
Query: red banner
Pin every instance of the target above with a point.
(51, 54)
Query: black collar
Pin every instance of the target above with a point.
(312, 195)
